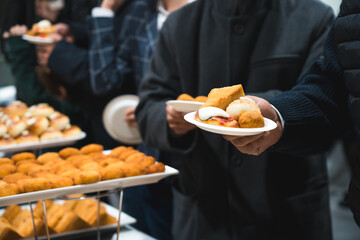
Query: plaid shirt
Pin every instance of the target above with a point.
(121, 47)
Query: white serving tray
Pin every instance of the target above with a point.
(42, 144)
(125, 219)
(87, 188)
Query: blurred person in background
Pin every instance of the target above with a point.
(222, 193)
(122, 39)
(20, 15)
(323, 106)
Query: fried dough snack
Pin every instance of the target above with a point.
(222, 97)
(116, 152)
(25, 167)
(68, 152)
(47, 157)
(23, 156)
(8, 189)
(6, 161)
(113, 171)
(201, 99)
(86, 177)
(251, 119)
(6, 169)
(155, 168)
(90, 148)
(36, 184)
(185, 97)
(7, 231)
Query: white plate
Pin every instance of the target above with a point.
(125, 219)
(184, 106)
(269, 125)
(113, 118)
(87, 188)
(37, 40)
(42, 144)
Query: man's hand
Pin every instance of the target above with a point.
(130, 117)
(16, 30)
(112, 4)
(257, 144)
(64, 30)
(44, 51)
(176, 121)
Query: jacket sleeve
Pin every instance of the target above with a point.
(108, 57)
(314, 51)
(315, 109)
(162, 83)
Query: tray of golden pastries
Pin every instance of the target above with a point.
(40, 32)
(38, 126)
(27, 178)
(186, 103)
(228, 112)
(68, 218)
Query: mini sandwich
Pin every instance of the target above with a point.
(229, 108)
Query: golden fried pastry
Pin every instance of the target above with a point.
(251, 119)
(47, 157)
(155, 168)
(3, 129)
(131, 169)
(16, 128)
(90, 166)
(127, 153)
(82, 160)
(107, 161)
(113, 171)
(39, 209)
(68, 152)
(87, 210)
(27, 138)
(24, 224)
(57, 166)
(8, 189)
(147, 161)
(5, 141)
(6, 161)
(16, 108)
(25, 167)
(73, 131)
(60, 122)
(23, 156)
(200, 99)
(38, 168)
(97, 156)
(76, 158)
(86, 177)
(26, 161)
(36, 184)
(116, 152)
(41, 109)
(7, 231)
(59, 182)
(69, 173)
(69, 222)
(15, 177)
(38, 125)
(107, 220)
(54, 214)
(91, 148)
(135, 157)
(6, 169)
(238, 107)
(185, 97)
(222, 97)
(11, 212)
(51, 135)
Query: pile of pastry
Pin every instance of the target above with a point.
(187, 97)
(71, 166)
(22, 124)
(42, 29)
(229, 107)
(16, 223)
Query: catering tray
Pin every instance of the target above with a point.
(42, 144)
(125, 219)
(87, 188)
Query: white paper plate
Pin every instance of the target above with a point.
(37, 40)
(42, 144)
(269, 125)
(87, 188)
(113, 118)
(125, 219)
(184, 106)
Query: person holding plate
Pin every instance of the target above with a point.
(222, 193)
(323, 106)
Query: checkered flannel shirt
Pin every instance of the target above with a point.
(121, 47)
